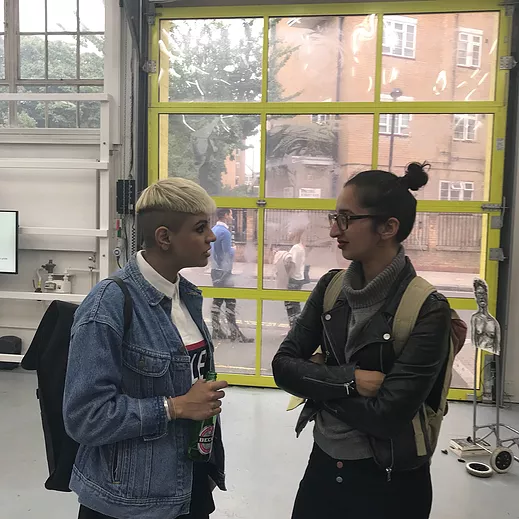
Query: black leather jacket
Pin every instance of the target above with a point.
(414, 378)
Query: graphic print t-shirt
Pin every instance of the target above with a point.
(181, 318)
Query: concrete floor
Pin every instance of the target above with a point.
(265, 461)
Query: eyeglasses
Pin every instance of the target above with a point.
(343, 220)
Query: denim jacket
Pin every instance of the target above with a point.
(132, 462)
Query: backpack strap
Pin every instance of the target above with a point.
(407, 313)
(128, 302)
(333, 291)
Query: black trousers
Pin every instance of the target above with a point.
(360, 489)
(202, 504)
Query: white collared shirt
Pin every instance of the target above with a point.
(180, 316)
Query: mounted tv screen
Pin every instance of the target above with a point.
(8, 242)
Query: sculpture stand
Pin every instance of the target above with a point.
(486, 336)
(502, 456)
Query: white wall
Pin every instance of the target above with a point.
(57, 198)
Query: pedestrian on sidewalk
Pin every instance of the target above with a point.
(222, 259)
(134, 391)
(295, 266)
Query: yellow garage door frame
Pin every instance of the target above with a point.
(496, 108)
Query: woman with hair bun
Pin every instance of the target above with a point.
(362, 396)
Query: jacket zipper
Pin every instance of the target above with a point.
(331, 344)
(346, 386)
(389, 470)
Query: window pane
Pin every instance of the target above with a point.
(32, 57)
(62, 114)
(62, 16)
(62, 57)
(243, 225)
(324, 58)
(306, 236)
(32, 15)
(31, 114)
(2, 57)
(90, 112)
(463, 368)
(4, 109)
(92, 61)
(92, 15)
(231, 355)
(274, 327)
(445, 249)
(302, 154)
(440, 141)
(434, 74)
(211, 60)
(220, 152)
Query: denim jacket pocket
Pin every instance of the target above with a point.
(146, 372)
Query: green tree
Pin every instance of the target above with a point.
(215, 61)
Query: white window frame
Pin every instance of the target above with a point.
(456, 191)
(464, 119)
(402, 124)
(472, 35)
(389, 48)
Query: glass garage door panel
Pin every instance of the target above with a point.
(457, 146)
(244, 231)
(445, 249)
(322, 58)
(221, 152)
(274, 330)
(422, 66)
(312, 155)
(232, 356)
(232, 56)
(463, 369)
(283, 229)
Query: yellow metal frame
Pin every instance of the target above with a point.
(496, 108)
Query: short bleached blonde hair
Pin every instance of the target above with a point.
(169, 203)
(177, 195)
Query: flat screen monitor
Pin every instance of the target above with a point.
(8, 242)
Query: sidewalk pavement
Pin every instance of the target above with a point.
(447, 281)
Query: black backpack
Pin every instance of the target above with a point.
(48, 356)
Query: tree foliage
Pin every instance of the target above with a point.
(215, 61)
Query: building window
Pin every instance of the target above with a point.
(401, 124)
(465, 127)
(321, 118)
(456, 191)
(59, 48)
(469, 48)
(399, 36)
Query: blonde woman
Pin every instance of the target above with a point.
(131, 395)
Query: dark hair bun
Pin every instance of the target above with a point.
(415, 176)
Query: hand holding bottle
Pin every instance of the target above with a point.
(203, 401)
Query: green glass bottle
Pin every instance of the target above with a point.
(201, 444)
